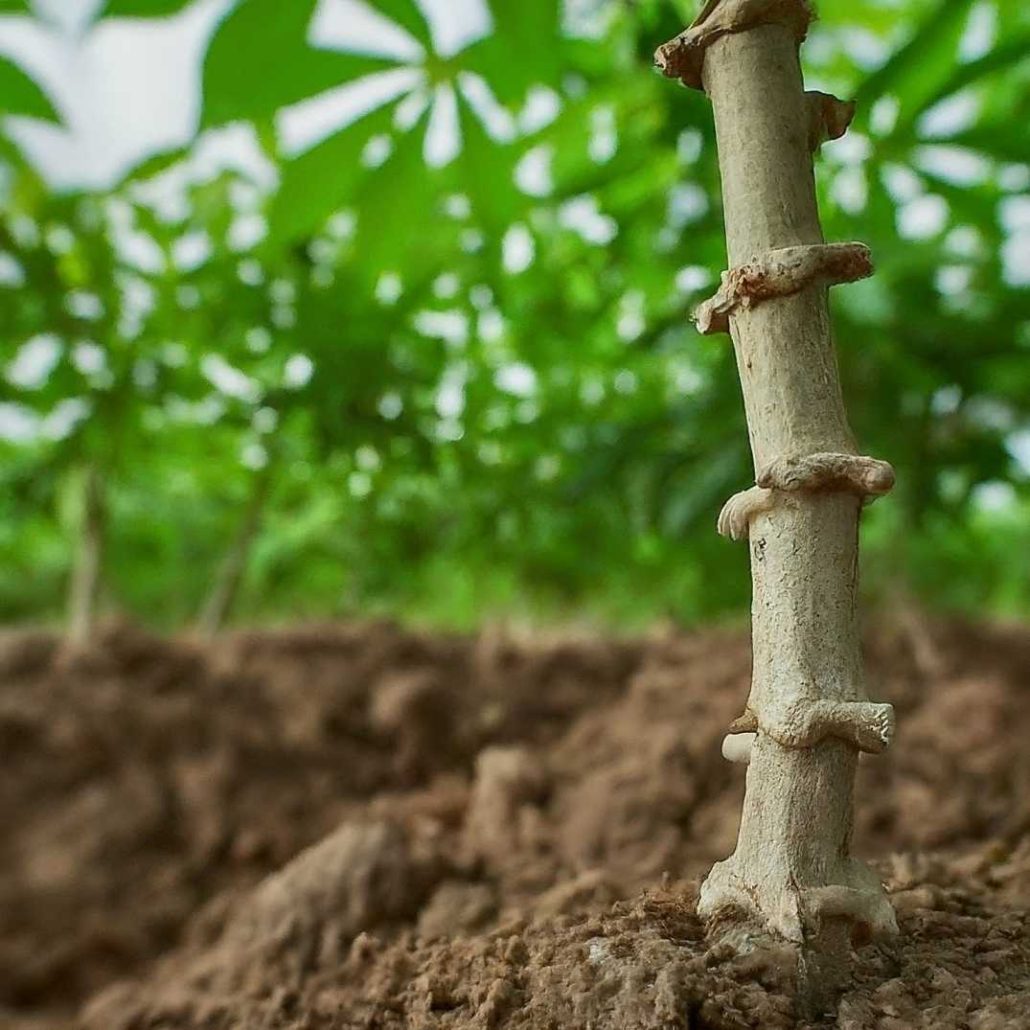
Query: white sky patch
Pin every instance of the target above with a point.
(85, 305)
(604, 136)
(450, 326)
(865, 48)
(297, 371)
(625, 381)
(946, 400)
(541, 108)
(376, 151)
(88, 358)
(883, 115)
(11, 272)
(258, 340)
(692, 278)
(443, 139)
(232, 148)
(125, 89)
(980, 32)
(850, 189)
(139, 250)
(687, 203)
(1018, 445)
(516, 378)
(250, 272)
(901, 182)
(1015, 258)
(685, 378)
(689, 145)
(472, 241)
(533, 172)
(410, 108)
(923, 217)
(61, 420)
(496, 119)
(24, 230)
(1014, 177)
(18, 424)
(456, 24)
(582, 215)
(390, 405)
(993, 497)
(950, 116)
(490, 325)
(302, 126)
(1014, 214)
(446, 286)
(36, 359)
(953, 280)
(253, 455)
(450, 394)
(191, 251)
(957, 165)
(247, 231)
(991, 413)
(457, 206)
(630, 321)
(964, 241)
(228, 379)
(59, 239)
(388, 288)
(853, 148)
(358, 28)
(517, 249)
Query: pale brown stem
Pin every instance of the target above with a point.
(807, 716)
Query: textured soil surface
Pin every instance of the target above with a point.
(361, 826)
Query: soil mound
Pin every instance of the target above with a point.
(489, 810)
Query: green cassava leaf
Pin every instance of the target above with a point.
(142, 8)
(524, 49)
(323, 179)
(259, 61)
(915, 72)
(19, 94)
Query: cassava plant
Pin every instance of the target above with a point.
(808, 716)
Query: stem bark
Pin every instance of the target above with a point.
(807, 715)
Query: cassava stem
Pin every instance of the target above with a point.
(807, 716)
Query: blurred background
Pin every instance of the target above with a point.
(325, 308)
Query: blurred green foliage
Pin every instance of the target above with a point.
(438, 362)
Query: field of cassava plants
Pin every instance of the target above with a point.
(402, 402)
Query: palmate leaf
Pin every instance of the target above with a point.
(259, 61)
(485, 172)
(525, 48)
(398, 224)
(324, 179)
(19, 94)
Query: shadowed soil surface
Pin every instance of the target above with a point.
(361, 826)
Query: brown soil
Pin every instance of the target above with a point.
(488, 824)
